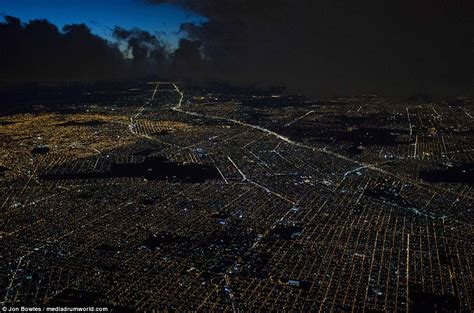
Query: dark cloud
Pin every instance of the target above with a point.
(39, 51)
(187, 61)
(318, 47)
(152, 56)
(149, 54)
(328, 47)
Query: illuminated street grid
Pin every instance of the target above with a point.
(298, 216)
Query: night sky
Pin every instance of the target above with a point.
(315, 47)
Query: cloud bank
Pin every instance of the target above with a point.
(323, 46)
(319, 48)
(38, 51)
